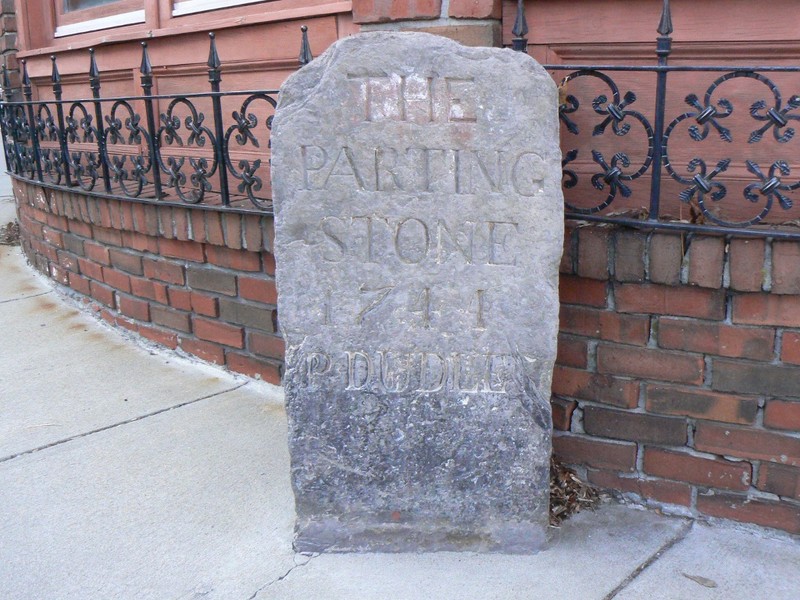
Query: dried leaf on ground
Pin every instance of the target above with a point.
(568, 494)
(9, 234)
(704, 581)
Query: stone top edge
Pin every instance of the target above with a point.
(300, 85)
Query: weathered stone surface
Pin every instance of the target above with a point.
(418, 236)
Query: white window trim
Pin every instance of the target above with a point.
(189, 7)
(128, 18)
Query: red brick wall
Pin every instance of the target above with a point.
(382, 11)
(198, 280)
(470, 22)
(676, 378)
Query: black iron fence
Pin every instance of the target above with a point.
(695, 148)
(664, 146)
(148, 147)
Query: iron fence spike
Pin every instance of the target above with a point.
(213, 56)
(146, 68)
(520, 28)
(55, 76)
(305, 48)
(665, 25)
(26, 80)
(94, 72)
(519, 42)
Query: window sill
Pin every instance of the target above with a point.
(190, 7)
(129, 18)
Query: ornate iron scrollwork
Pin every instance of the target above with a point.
(615, 109)
(84, 165)
(704, 183)
(243, 132)
(123, 148)
(47, 133)
(131, 181)
(199, 134)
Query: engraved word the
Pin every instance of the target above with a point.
(415, 98)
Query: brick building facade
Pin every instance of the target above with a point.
(678, 376)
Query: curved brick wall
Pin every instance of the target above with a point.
(201, 280)
(677, 376)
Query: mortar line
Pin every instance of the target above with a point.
(652, 559)
(114, 425)
(25, 297)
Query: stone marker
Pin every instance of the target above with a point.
(418, 218)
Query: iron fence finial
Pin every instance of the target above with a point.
(146, 68)
(55, 76)
(520, 29)
(665, 25)
(26, 79)
(94, 72)
(214, 62)
(305, 48)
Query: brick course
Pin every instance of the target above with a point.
(701, 404)
(383, 11)
(708, 472)
(476, 9)
(595, 453)
(679, 301)
(137, 263)
(706, 256)
(584, 385)
(715, 338)
(740, 507)
(668, 492)
(651, 364)
(780, 480)
(636, 427)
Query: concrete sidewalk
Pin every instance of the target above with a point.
(127, 473)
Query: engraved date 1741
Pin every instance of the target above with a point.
(422, 304)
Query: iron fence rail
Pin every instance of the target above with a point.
(691, 187)
(126, 147)
(683, 156)
(674, 155)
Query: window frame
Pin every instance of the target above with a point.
(106, 16)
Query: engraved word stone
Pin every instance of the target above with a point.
(418, 218)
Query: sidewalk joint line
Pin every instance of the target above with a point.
(126, 422)
(26, 297)
(687, 527)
